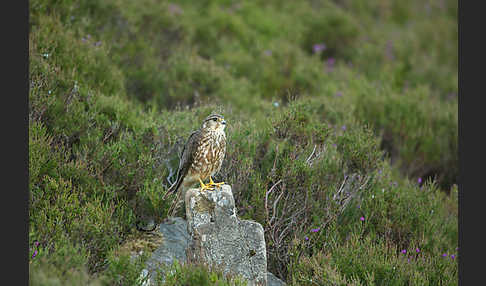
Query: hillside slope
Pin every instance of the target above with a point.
(317, 95)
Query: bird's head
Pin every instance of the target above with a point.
(214, 122)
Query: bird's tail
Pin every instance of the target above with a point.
(174, 187)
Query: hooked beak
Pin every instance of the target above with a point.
(223, 122)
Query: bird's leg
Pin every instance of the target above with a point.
(204, 186)
(211, 183)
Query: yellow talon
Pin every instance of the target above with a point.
(211, 183)
(204, 186)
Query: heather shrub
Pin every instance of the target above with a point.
(334, 29)
(406, 252)
(419, 133)
(196, 275)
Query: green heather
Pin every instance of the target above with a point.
(342, 133)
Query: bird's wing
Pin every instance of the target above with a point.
(186, 159)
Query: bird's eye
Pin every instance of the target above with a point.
(215, 119)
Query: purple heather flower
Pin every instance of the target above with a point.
(417, 250)
(444, 255)
(419, 180)
(306, 238)
(361, 218)
(408, 259)
(317, 48)
(453, 256)
(404, 251)
(34, 254)
(343, 127)
(36, 243)
(339, 94)
(331, 62)
(451, 95)
(315, 229)
(334, 145)
(98, 43)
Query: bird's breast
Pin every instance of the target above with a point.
(209, 154)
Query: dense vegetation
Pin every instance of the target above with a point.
(342, 130)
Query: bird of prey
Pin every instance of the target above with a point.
(202, 155)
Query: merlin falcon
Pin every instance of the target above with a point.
(202, 155)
